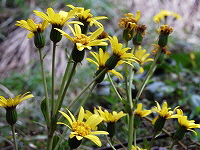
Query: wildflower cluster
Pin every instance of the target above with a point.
(111, 54)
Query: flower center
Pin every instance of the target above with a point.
(127, 22)
(82, 38)
(39, 27)
(81, 128)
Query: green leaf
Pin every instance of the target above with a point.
(55, 141)
(126, 106)
(44, 109)
(145, 142)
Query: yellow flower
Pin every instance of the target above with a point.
(119, 54)
(101, 59)
(187, 124)
(86, 16)
(129, 22)
(164, 112)
(57, 19)
(81, 40)
(138, 148)
(141, 56)
(118, 50)
(110, 117)
(88, 113)
(80, 129)
(141, 113)
(165, 13)
(32, 26)
(13, 102)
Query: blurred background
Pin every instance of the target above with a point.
(176, 81)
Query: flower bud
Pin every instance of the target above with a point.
(164, 31)
(180, 132)
(74, 143)
(112, 62)
(111, 129)
(139, 34)
(127, 34)
(77, 55)
(84, 28)
(55, 35)
(102, 76)
(11, 115)
(163, 39)
(39, 40)
(159, 124)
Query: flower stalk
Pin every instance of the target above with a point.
(45, 87)
(14, 136)
(53, 79)
(149, 74)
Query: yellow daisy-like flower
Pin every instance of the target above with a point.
(80, 129)
(88, 113)
(141, 113)
(13, 102)
(187, 124)
(86, 16)
(81, 40)
(165, 13)
(32, 26)
(141, 56)
(57, 19)
(138, 148)
(164, 112)
(118, 50)
(110, 117)
(101, 59)
(119, 54)
(129, 22)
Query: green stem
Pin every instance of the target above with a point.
(85, 99)
(45, 87)
(126, 79)
(130, 131)
(149, 74)
(152, 140)
(50, 142)
(91, 89)
(53, 79)
(110, 143)
(135, 134)
(66, 87)
(130, 99)
(14, 136)
(76, 99)
(131, 115)
(174, 142)
(63, 83)
(72, 103)
(126, 74)
(60, 139)
(114, 87)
